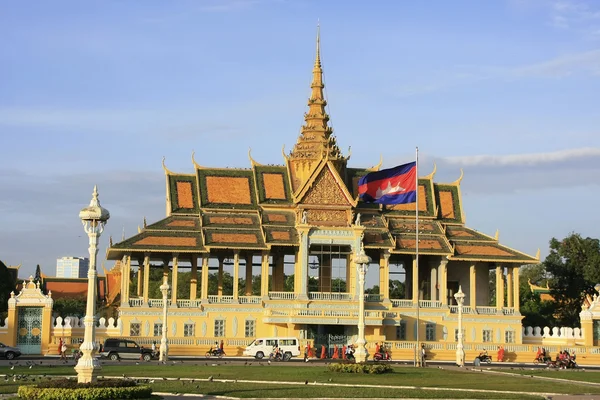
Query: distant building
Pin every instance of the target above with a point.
(72, 267)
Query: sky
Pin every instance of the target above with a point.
(98, 92)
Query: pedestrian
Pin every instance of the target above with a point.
(60, 343)
(221, 346)
(336, 354)
(323, 354)
(343, 352)
(306, 352)
(63, 351)
(500, 353)
(423, 356)
(377, 347)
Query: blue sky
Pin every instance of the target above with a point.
(97, 92)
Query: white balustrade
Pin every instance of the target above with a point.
(189, 303)
(486, 310)
(220, 299)
(250, 299)
(136, 302)
(282, 295)
(373, 298)
(430, 303)
(402, 303)
(330, 296)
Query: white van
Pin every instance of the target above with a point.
(262, 347)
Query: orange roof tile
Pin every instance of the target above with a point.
(167, 241)
(446, 204)
(185, 199)
(229, 190)
(234, 238)
(274, 186)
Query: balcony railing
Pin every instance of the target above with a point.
(282, 295)
(402, 303)
(250, 299)
(136, 302)
(212, 299)
(189, 303)
(486, 310)
(373, 298)
(330, 296)
(157, 303)
(430, 303)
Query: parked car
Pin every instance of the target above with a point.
(9, 352)
(116, 349)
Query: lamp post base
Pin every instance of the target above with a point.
(164, 352)
(87, 369)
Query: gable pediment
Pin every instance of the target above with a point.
(326, 188)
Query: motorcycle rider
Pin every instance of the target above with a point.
(350, 352)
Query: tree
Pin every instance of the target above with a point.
(536, 311)
(397, 289)
(7, 285)
(68, 307)
(574, 268)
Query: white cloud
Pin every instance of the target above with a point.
(533, 159)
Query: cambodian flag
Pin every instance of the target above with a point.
(396, 185)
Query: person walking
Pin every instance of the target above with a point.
(63, 351)
(423, 356)
(221, 347)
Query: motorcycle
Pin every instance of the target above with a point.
(214, 353)
(382, 356)
(484, 358)
(276, 356)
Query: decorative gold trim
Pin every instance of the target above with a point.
(167, 171)
(252, 162)
(198, 166)
(376, 167)
(430, 176)
(139, 229)
(537, 255)
(457, 182)
(497, 235)
(286, 158)
(349, 154)
(533, 287)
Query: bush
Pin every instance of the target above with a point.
(360, 368)
(73, 384)
(89, 393)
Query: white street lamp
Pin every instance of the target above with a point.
(164, 346)
(362, 265)
(460, 352)
(94, 218)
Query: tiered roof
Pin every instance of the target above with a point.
(259, 208)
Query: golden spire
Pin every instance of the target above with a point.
(316, 141)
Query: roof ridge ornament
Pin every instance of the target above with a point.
(167, 170)
(196, 165)
(457, 182)
(252, 161)
(376, 167)
(431, 175)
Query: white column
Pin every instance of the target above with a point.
(236, 274)
(473, 286)
(499, 287)
(509, 287)
(174, 280)
(146, 276)
(433, 283)
(443, 281)
(194, 279)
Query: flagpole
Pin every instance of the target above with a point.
(417, 245)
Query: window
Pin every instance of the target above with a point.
(487, 335)
(134, 329)
(250, 328)
(158, 328)
(287, 342)
(430, 332)
(219, 328)
(456, 334)
(509, 336)
(401, 331)
(188, 329)
(271, 342)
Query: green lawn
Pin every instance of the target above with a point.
(419, 379)
(580, 374)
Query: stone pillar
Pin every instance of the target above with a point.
(516, 288)
(443, 281)
(433, 284)
(174, 280)
(509, 287)
(194, 278)
(126, 277)
(499, 287)
(249, 274)
(165, 277)
(236, 274)
(301, 275)
(140, 277)
(264, 275)
(384, 275)
(473, 286)
(220, 276)
(146, 276)
(204, 278)
(415, 281)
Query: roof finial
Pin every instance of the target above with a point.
(318, 58)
